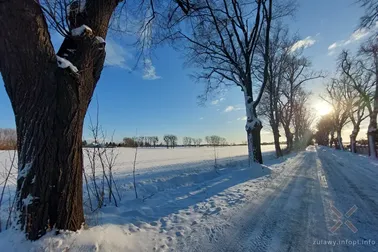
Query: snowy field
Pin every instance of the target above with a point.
(184, 204)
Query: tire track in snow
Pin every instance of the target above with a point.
(254, 191)
(344, 192)
(291, 210)
(264, 227)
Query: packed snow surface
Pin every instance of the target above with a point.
(316, 200)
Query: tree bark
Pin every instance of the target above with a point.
(372, 129)
(276, 136)
(50, 104)
(372, 135)
(49, 185)
(353, 143)
(254, 144)
(340, 145)
(289, 138)
(253, 128)
(353, 138)
(332, 139)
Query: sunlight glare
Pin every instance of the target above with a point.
(323, 108)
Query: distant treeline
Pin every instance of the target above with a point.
(8, 139)
(168, 141)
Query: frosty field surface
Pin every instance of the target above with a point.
(184, 204)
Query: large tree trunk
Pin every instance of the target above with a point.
(339, 140)
(332, 140)
(253, 128)
(353, 143)
(353, 138)
(372, 135)
(289, 138)
(372, 129)
(49, 105)
(276, 136)
(254, 145)
(49, 185)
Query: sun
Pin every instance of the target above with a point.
(323, 108)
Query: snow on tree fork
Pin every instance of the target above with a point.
(82, 30)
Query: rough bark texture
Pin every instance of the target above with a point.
(372, 134)
(254, 144)
(353, 138)
(372, 129)
(49, 105)
(339, 140)
(276, 136)
(289, 137)
(253, 128)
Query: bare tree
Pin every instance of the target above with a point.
(371, 13)
(155, 140)
(167, 140)
(134, 170)
(185, 141)
(215, 140)
(208, 140)
(280, 49)
(49, 120)
(8, 178)
(223, 141)
(8, 139)
(129, 142)
(324, 127)
(297, 73)
(103, 159)
(302, 120)
(190, 140)
(357, 105)
(221, 38)
(335, 97)
(199, 141)
(170, 140)
(50, 93)
(362, 75)
(173, 140)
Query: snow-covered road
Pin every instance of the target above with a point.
(302, 204)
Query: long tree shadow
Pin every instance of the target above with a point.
(169, 190)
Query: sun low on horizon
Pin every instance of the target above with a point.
(322, 108)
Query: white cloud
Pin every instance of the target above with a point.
(333, 46)
(201, 118)
(244, 118)
(304, 43)
(356, 36)
(215, 102)
(115, 55)
(149, 71)
(359, 34)
(231, 108)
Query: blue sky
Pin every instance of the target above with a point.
(162, 98)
